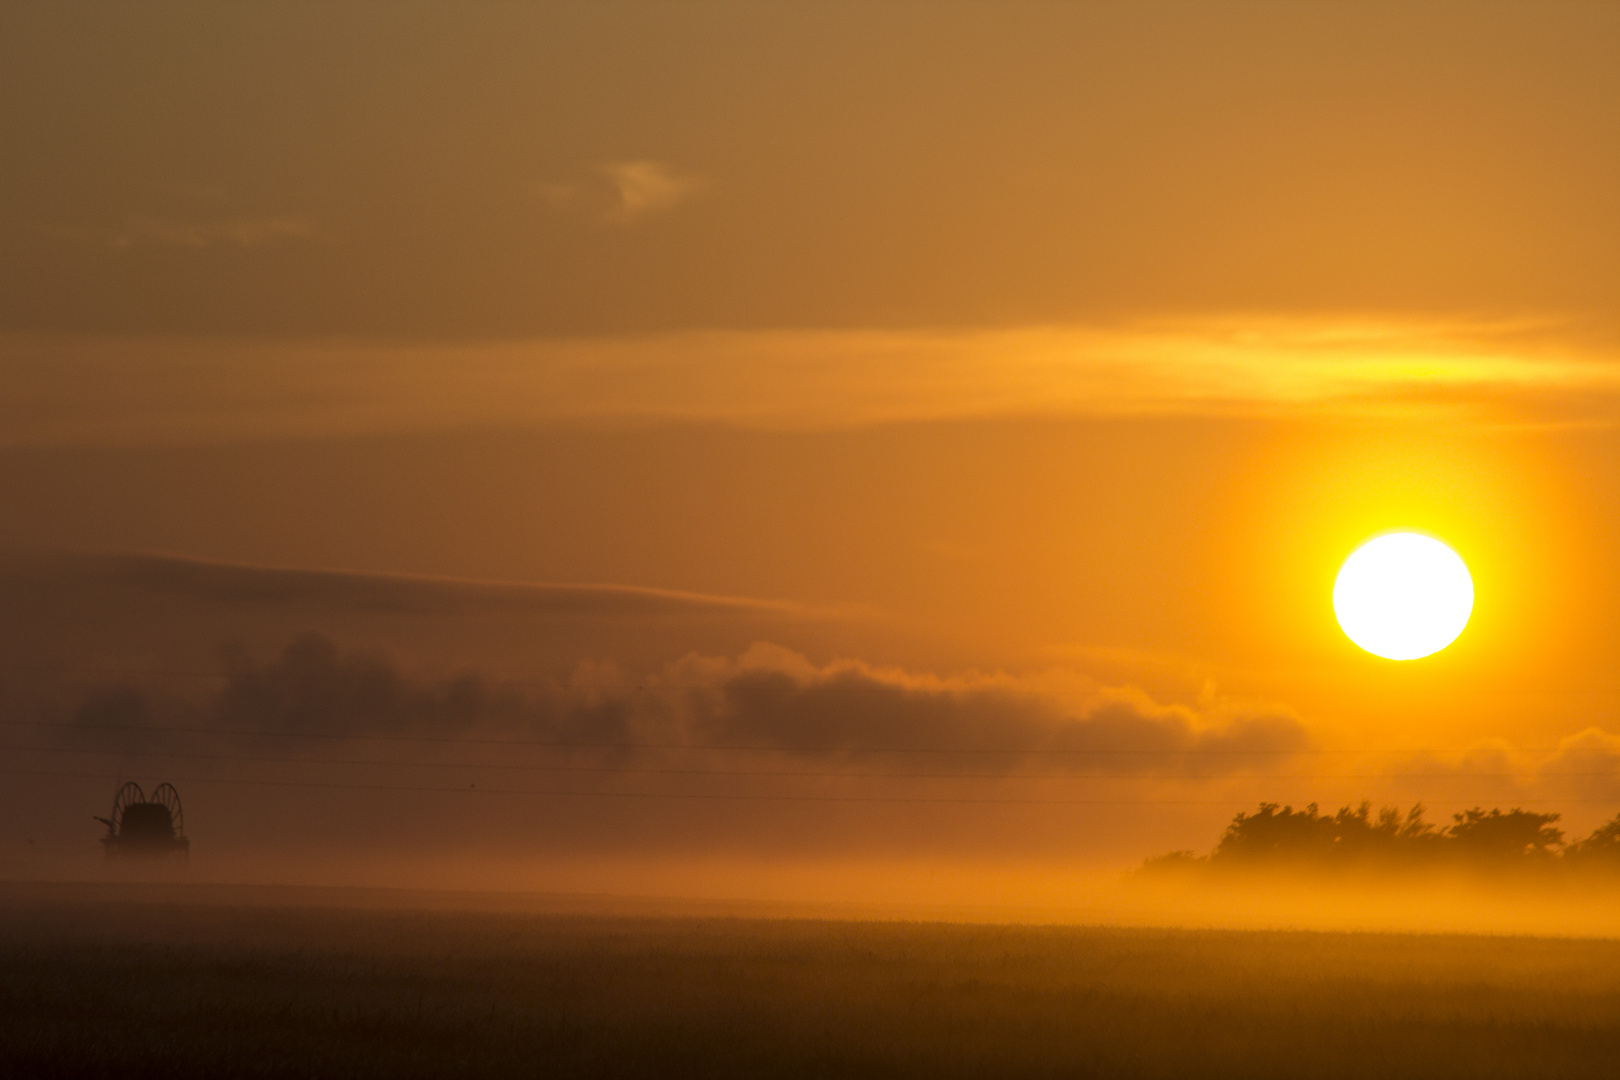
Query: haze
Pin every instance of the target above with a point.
(861, 453)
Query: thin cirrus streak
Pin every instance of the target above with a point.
(65, 390)
(701, 796)
(814, 774)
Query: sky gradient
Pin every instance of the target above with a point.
(992, 383)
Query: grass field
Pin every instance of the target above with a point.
(94, 986)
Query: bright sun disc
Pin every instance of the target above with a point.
(1403, 595)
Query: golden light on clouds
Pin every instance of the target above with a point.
(66, 389)
(1403, 596)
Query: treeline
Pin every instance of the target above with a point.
(1280, 837)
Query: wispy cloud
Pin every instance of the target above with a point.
(72, 389)
(247, 232)
(626, 191)
(263, 588)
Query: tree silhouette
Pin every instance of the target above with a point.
(1601, 849)
(1496, 836)
(1276, 833)
(1278, 836)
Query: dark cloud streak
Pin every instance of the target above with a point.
(235, 584)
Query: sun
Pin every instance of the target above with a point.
(1403, 595)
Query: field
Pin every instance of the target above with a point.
(229, 984)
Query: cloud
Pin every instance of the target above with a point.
(774, 698)
(316, 689)
(626, 191)
(646, 187)
(1580, 768)
(1586, 765)
(86, 390)
(767, 699)
(158, 623)
(252, 232)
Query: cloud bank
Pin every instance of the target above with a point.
(767, 699)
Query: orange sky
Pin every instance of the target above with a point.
(1044, 356)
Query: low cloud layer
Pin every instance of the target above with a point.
(70, 620)
(768, 699)
(849, 708)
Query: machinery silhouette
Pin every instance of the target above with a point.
(152, 828)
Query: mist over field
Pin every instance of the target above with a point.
(348, 729)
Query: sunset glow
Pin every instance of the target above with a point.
(927, 462)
